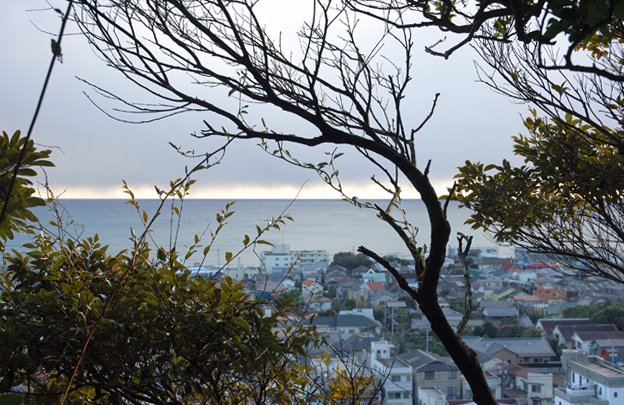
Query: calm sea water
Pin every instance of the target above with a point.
(331, 225)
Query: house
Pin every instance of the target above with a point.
(582, 340)
(346, 325)
(311, 288)
(431, 396)
(381, 298)
(529, 301)
(501, 294)
(529, 385)
(551, 293)
(367, 312)
(371, 275)
(548, 325)
(349, 290)
(589, 380)
(521, 350)
(397, 386)
(319, 304)
(453, 317)
(608, 348)
(336, 275)
(498, 312)
(564, 333)
(432, 371)
(273, 283)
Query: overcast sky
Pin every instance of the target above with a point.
(93, 153)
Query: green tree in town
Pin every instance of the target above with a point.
(608, 312)
(350, 261)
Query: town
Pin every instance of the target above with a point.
(544, 334)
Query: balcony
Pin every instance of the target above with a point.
(585, 395)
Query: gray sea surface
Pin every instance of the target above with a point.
(332, 225)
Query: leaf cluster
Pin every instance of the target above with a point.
(22, 195)
(168, 338)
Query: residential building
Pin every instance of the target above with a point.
(589, 380)
(311, 261)
(431, 396)
(565, 333)
(367, 312)
(551, 293)
(453, 317)
(278, 260)
(498, 312)
(311, 288)
(432, 371)
(531, 386)
(395, 373)
(319, 304)
(582, 340)
(346, 325)
(548, 325)
(521, 350)
(372, 276)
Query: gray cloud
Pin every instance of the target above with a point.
(97, 152)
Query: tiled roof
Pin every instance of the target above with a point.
(522, 346)
(567, 331)
(345, 321)
(549, 325)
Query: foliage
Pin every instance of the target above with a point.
(566, 199)
(185, 338)
(407, 341)
(608, 312)
(23, 198)
(529, 21)
(457, 305)
(346, 389)
(350, 261)
(349, 304)
(558, 348)
(486, 330)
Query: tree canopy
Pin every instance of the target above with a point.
(350, 261)
(566, 198)
(537, 22)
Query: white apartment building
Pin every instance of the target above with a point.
(311, 261)
(278, 260)
(589, 380)
(395, 373)
(281, 259)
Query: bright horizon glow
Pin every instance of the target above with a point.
(319, 191)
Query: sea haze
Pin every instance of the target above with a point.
(331, 225)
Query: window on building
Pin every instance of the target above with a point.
(615, 395)
(395, 378)
(394, 395)
(406, 394)
(452, 375)
(536, 388)
(429, 375)
(452, 392)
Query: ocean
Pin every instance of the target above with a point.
(332, 225)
